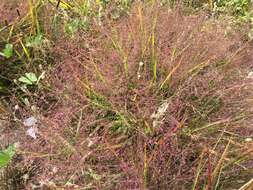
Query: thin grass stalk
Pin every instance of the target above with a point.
(219, 165)
(153, 48)
(199, 170)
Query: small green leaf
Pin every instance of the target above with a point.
(31, 76)
(29, 79)
(8, 51)
(25, 80)
(10, 150)
(6, 155)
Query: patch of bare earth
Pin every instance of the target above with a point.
(12, 10)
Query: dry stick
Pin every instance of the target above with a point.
(79, 123)
(58, 3)
(37, 154)
(18, 12)
(248, 185)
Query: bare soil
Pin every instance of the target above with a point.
(11, 10)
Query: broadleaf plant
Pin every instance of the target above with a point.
(6, 155)
(28, 79)
(8, 51)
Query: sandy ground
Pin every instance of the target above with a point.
(10, 10)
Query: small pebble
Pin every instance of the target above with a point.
(30, 121)
(32, 131)
(250, 74)
(248, 139)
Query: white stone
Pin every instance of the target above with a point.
(30, 121)
(248, 139)
(250, 74)
(32, 131)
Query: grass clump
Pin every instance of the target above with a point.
(149, 99)
(161, 77)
